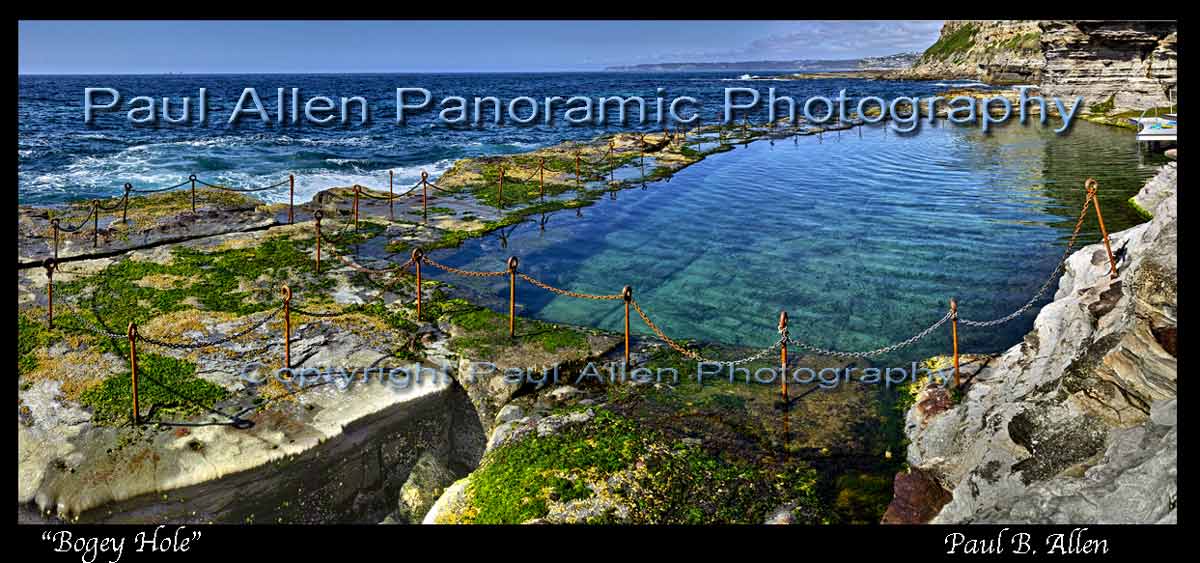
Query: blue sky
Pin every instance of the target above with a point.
(115, 47)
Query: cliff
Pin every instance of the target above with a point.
(1077, 423)
(991, 51)
(1115, 65)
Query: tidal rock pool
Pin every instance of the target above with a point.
(861, 235)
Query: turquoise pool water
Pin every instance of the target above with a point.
(862, 237)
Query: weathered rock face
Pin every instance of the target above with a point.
(1116, 66)
(992, 51)
(1157, 189)
(1076, 424)
(1133, 64)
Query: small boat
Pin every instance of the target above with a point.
(1156, 128)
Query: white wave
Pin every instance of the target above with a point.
(961, 84)
(309, 182)
(260, 139)
(98, 137)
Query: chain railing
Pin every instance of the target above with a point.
(877, 352)
(626, 295)
(216, 342)
(1053, 274)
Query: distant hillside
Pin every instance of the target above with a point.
(898, 61)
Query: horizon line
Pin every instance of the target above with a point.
(374, 72)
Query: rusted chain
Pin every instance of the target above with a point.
(662, 335)
(243, 190)
(601, 160)
(119, 204)
(338, 235)
(569, 293)
(156, 190)
(878, 351)
(536, 169)
(322, 314)
(365, 192)
(81, 224)
(438, 188)
(694, 355)
(195, 345)
(1046, 284)
(453, 270)
(88, 326)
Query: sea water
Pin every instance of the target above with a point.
(861, 238)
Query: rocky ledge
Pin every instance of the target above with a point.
(1077, 423)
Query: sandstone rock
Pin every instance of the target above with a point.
(452, 503)
(564, 393)
(1135, 482)
(1115, 65)
(509, 413)
(1131, 63)
(1158, 188)
(991, 51)
(426, 482)
(918, 498)
(1076, 409)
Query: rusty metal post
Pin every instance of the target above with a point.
(542, 177)
(54, 227)
(627, 295)
(287, 327)
(1091, 186)
(391, 195)
(291, 198)
(500, 190)
(578, 178)
(417, 257)
(783, 359)
(318, 216)
(424, 195)
(125, 207)
(193, 179)
(95, 223)
(49, 265)
(132, 334)
(954, 337)
(512, 295)
(356, 191)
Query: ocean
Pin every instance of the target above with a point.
(62, 158)
(861, 235)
